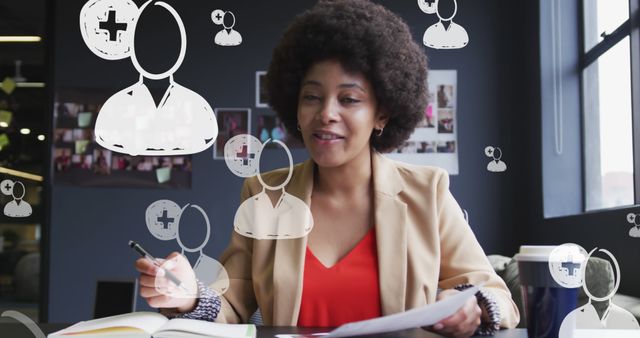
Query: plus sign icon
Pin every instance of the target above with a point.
(566, 264)
(428, 6)
(107, 27)
(241, 154)
(7, 187)
(162, 219)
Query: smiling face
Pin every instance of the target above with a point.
(337, 112)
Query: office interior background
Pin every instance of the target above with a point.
(554, 83)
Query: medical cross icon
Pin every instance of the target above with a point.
(112, 27)
(7, 187)
(245, 156)
(430, 2)
(219, 17)
(165, 220)
(571, 266)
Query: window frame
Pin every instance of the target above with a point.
(630, 28)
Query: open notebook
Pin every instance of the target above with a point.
(150, 324)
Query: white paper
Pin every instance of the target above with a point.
(424, 316)
(192, 327)
(146, 321)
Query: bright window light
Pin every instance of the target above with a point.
(4, 124)
(25, 131)
(41, 137)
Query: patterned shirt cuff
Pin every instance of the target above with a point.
(490, 307)
(208, 306)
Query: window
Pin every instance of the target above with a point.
(606, 66)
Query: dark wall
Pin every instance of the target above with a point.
(90, 226)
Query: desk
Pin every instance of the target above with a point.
(11, 330)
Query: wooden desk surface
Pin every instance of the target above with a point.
(16, 330)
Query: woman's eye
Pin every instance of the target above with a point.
(310, 97)
(349, 100)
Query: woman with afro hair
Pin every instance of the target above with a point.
(349, 81)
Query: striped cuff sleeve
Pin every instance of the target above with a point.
(208, 307)
(489, 305)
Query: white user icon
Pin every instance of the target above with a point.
(635, 220)
(163, 221)
(258, 218)
(130, 121)
(227, 36)
(496, 165)
(18, 207)
(586, 316)
(445, 34)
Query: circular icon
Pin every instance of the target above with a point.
(231, 21)
(217, 16)
(18, 193)
(162, 219)
(617, 280)
(489, 151)
(631, 217)
(441, 7)
(183, 44)
(7, 187)
(206, 237)
(566, 264)
(107, 27)
(428, 6)
(242, 154)
(286, 181)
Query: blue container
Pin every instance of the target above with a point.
(546, 303)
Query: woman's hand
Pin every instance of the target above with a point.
(461, 324)
(160, 292)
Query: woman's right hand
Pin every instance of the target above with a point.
(160, 292)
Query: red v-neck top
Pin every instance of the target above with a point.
(345, 292)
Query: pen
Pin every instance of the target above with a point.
(139, 249)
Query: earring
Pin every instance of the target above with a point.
(298, 127)
(379, 133)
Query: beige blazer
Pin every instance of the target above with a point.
(423, 244)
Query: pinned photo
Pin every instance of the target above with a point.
(82, 162)
(447, 147)
(261, 89)
(63, 135)
(69, 109)
(85, 119)
(428, 121)
(81, 146)
(102, 162)
(232, 122)
(62, 159)
(445, 121)
(270, 127)
(445, 96)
